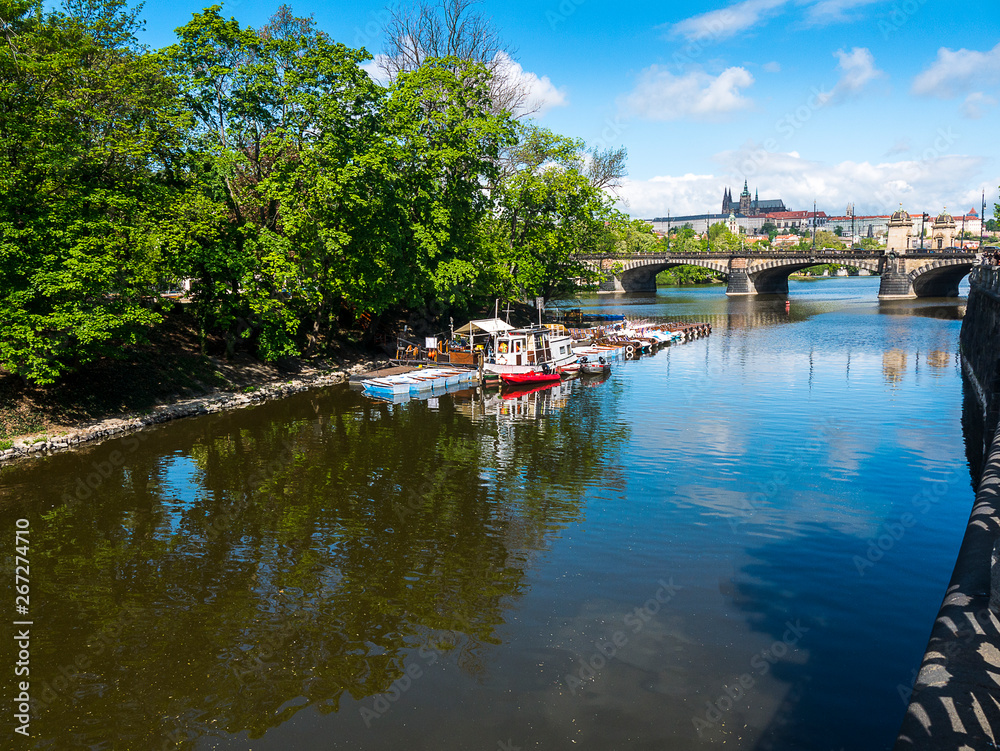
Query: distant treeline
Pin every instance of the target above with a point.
(271, 176)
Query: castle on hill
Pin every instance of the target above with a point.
(748, 206)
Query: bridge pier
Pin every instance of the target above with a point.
(740, 283)
(895, 283)
(642, 281)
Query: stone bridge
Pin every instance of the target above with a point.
(904, 274)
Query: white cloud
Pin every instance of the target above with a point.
(725, 22)
(542, 96)
(976, 104)
(955, 71)
(857, 69)
(742, 16)
(877, 188)
(772, 67)
(660, 95)
(834, 11)
(374, 69)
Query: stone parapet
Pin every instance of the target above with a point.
(980, 342)
(955, 702)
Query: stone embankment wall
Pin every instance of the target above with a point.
(955, 702)
(110, 428)
(981, 342)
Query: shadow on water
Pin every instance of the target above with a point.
(833, 648)
(943, 308)
(838, 648)
(223, 573)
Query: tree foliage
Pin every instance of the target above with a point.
(88, 123)
(265, 173)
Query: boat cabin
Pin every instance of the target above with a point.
(531, 348)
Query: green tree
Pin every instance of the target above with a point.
(547, 219)
(87, 121)
(240, 85)
(635, 236)
(551, 208)
(827, 239)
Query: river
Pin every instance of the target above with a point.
(739, 542)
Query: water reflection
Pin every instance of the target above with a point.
(514, 404)
(290, 556)
(942, 308)
(894, 365)
(939, 358)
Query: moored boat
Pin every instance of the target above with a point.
(590, 367)
(529, 350)
(530, 379)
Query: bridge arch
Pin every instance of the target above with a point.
(639, 275)
(940, 277)
(770, 276)
(906, 275)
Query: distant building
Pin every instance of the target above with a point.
(748, 206)
(863, 226)
(785, 241)
(969, 222)
(795, 219)
(701, 222)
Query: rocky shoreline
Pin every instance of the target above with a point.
(219, 401)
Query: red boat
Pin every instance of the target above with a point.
(528, 379)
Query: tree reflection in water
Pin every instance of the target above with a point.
(237, 568)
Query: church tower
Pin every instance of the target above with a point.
(745, 200)
(727, 200)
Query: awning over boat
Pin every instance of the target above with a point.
(485, 326)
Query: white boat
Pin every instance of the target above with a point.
(594, 367)
(430, 379)
(424, 395)
(595, 351)
(389, 386)
(530, 350)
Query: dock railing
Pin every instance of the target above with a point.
(409, 352)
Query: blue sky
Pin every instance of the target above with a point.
(874, 102)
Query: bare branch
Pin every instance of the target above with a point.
(607, 168)
(453, 28)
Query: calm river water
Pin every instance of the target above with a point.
(740, 542)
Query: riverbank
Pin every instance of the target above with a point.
(164, 380)
(955, 701)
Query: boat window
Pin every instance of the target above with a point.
(517, 345)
